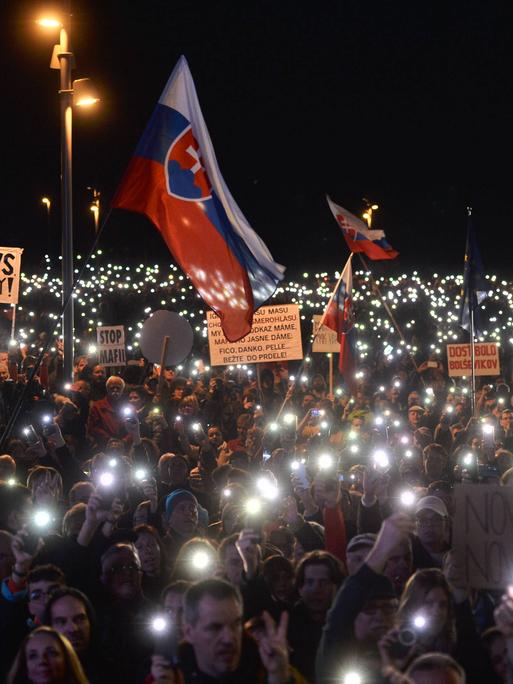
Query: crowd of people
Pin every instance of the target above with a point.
(227, 526)
(112, 293)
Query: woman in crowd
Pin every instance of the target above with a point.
(46, 657)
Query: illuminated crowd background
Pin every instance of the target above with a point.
(112, 293)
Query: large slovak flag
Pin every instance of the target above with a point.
(358, 236)
(175, 180)
(339, 317)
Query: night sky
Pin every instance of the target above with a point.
(406, 103)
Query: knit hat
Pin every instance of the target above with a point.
(176, 497)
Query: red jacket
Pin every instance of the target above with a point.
(105, 422)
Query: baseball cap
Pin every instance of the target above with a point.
(432, 503)
(361, 541)
(416, 408)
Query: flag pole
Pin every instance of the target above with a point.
(326, 308)
(472, 295)
(291, 389)
(330, 357)
(15, 413)
(13, 321)
(383, 301)
(472, 361)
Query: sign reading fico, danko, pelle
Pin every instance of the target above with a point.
(275, 336)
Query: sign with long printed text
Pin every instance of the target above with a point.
(275, 336)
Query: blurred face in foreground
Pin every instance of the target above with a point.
(69, 617)
(45, 660)
(122, 574)
(318, 590)
(216, 636)
(375, 619)
(232, 565)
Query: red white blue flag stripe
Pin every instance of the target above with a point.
(339, 317)
(174, 179)
(358, 236)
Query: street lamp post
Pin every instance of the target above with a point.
(66, 109)
(77, 92)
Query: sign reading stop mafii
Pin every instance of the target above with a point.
(486, 359)
(111, 345)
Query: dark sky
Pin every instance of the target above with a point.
(406, 103)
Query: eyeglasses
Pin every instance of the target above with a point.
(39, 594)
(117, 569)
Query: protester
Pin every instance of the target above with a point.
(46, 657)
(213, 476)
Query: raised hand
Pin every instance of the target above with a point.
(22, 558)
(328, 490)
(149, 490)
(375, 485)
(161, 671)
(273, 649)
(247, 546)
(394, 530)
(290, 513)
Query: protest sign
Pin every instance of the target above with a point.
(326, 340)
(10, 271)
(482, 534)
(111, 345)
(275, 336)
(486, 359)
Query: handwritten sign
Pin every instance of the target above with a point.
(326, 340)
(111, 345)
(482, 534)
(275, 336)
(486, 359)
(10, 271)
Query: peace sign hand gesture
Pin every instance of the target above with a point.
(273, 648)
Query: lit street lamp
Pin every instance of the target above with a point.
(95, 209)
(47, 202)
(80, 93)
(369, 210)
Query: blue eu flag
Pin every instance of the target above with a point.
(474, 284)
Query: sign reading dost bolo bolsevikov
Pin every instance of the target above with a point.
(482, 533)
(486, 359)
(275, 336)
(111, 345)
